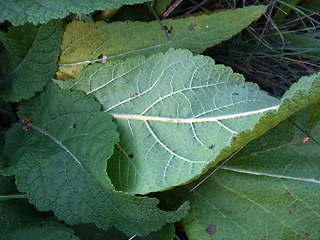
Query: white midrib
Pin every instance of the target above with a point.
(190, 120)
(270, 175)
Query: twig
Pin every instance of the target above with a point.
(195, 8)
(132, 237)
(170, 9)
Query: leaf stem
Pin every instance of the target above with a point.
(159, 21)
(14, 196)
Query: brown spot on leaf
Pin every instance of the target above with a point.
(211, 229)
(294, 205)
(211, 147)
(130, 155)
(290, 212)
(288, 192)
(307, 235)
(249, 209)
(229, 212)
(234, 138)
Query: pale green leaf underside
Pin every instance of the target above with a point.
(271, 190)
(61, 165)
(84, 42)
(29, 59)
(19, 12)
(179, 114)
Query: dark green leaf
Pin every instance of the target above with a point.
(19, 12)
(29, 59)
(20, 220)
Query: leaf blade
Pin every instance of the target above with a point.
(29, 60)
(19, 220)
(272, 184)
(19, 12)
(179, 115)
(193, 33)
(61, 165)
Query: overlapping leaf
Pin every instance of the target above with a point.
(91, 232)
(271, 190)
(179, 114)
(29, 59)
(19, 12)
(19, 220)
(61, 164)
(85, 42)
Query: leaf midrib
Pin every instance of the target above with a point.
(23, 60)
(269, 175)
(190, 120)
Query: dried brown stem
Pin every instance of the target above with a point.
(170, 9)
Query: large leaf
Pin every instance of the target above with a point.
(179, 114)
(18, 12)
(83, 42)
(271, 190)
(29, 59)
(20, 220)
(61, 164)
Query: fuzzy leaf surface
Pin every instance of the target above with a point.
(179, 115)
(19, 12)
(271, 189)
(61, 164)
(29, 59)
(83, 42)
(20, 220)
(91, 232)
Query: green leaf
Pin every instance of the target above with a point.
(29, 59)
(19, 220)
(91, 232)
(61, 164)
(19, 12)
(83, 42)
(271, 189)
(179, 115)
